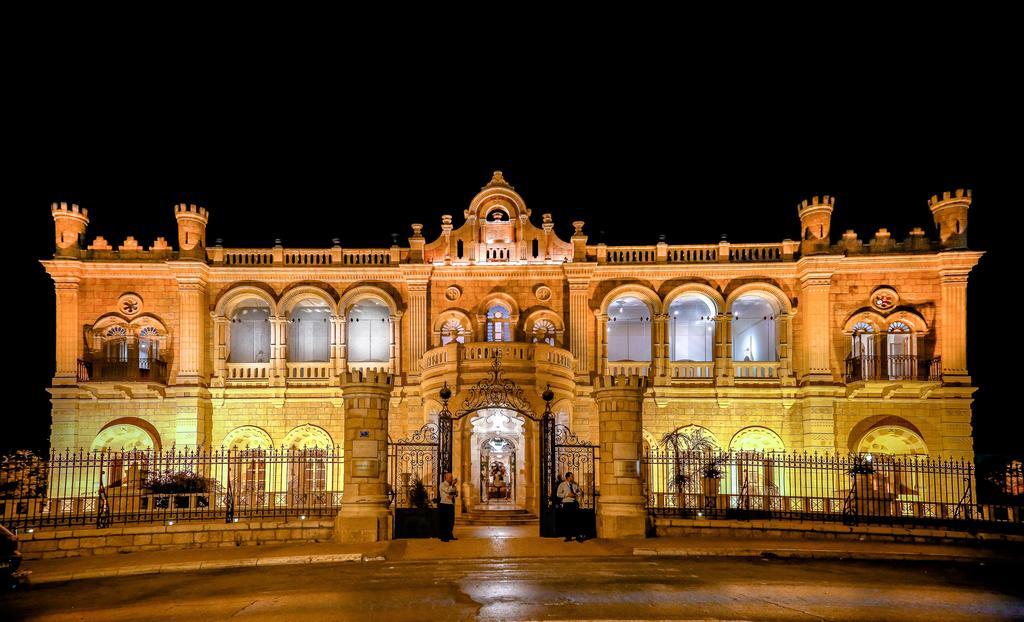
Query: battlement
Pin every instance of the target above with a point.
(367, 377)
(69, 210)
(621, 381)
(191, 210)
(822, 202)
(960, 195)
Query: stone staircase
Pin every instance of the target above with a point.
(497, 516)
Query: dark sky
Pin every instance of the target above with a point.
(308, 169)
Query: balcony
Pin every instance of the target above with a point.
(128, 369)
(893, 367)
(524, 359)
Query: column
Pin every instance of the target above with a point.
(602, 343)
(815, 315)
(418, 327)
(221, 337)
(620, 508)
(337, 353)
(191, 332)
(952, 333)
(579, 321)
(364, 514)
(68, 330)
(278, 351)
(723, 343)
(661, 350)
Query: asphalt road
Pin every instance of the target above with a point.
(590, 588)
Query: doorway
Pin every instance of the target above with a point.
(497, 457)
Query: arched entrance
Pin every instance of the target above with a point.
(497, 444)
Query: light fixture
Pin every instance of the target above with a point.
(170, 523)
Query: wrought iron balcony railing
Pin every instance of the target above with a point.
(132, 368)
(892, 367)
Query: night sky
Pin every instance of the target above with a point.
(308, 171)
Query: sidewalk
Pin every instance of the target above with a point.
(498, 543)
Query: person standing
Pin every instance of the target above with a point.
(569, 495)
(446, 507)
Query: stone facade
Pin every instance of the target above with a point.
(866, 340)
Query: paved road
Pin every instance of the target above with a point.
(593, 588)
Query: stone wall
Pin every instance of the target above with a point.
(81, 541)
(754, 529)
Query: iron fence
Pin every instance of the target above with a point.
(142, 486)
(853, 489)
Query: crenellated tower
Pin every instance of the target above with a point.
(69, 222)
(950, 213)
(191, 231)
(815, 222)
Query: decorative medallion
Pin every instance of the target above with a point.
(543, 293)
(884, 298)
(129, 304)
(453, 293)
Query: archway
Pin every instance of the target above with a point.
(497, 460)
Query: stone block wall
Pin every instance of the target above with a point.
(60, 542)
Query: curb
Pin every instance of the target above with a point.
(293, 560)
(814, 554)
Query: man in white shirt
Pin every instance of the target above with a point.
(446, 507)
(568, 494)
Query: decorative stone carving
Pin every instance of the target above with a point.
(129, 304)
(884, 299)
(452, 293)
(543, 293)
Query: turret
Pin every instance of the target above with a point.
(69, 223)
(815, 221)
(950, 213)
(191, 231)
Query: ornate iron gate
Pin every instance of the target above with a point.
(563, 452)
(560, 451)
(414, 480)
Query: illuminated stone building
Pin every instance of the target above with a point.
(820, 344)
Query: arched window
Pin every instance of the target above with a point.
(863, 340)
(544, 332)
(369, 332)
(754, 329)
(691, 329)
(250, 333)
(453, 330)
(309, 332)
(499, 327)
(115, 345)
(149, 346)
(629, 330)
(901, 351)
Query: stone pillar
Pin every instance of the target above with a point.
(192, 324)
(815, 315)
(602, 343)
(723, 341)
(69, 329)
(418, 327)
(364, 514)
(578, 301)
(278, 350)
(620, 507)
(661, 352)
(953, 327)
(221, 337)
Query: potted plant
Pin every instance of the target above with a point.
(179, 487)
(711, 473)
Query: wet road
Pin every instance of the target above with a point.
(597, 588)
